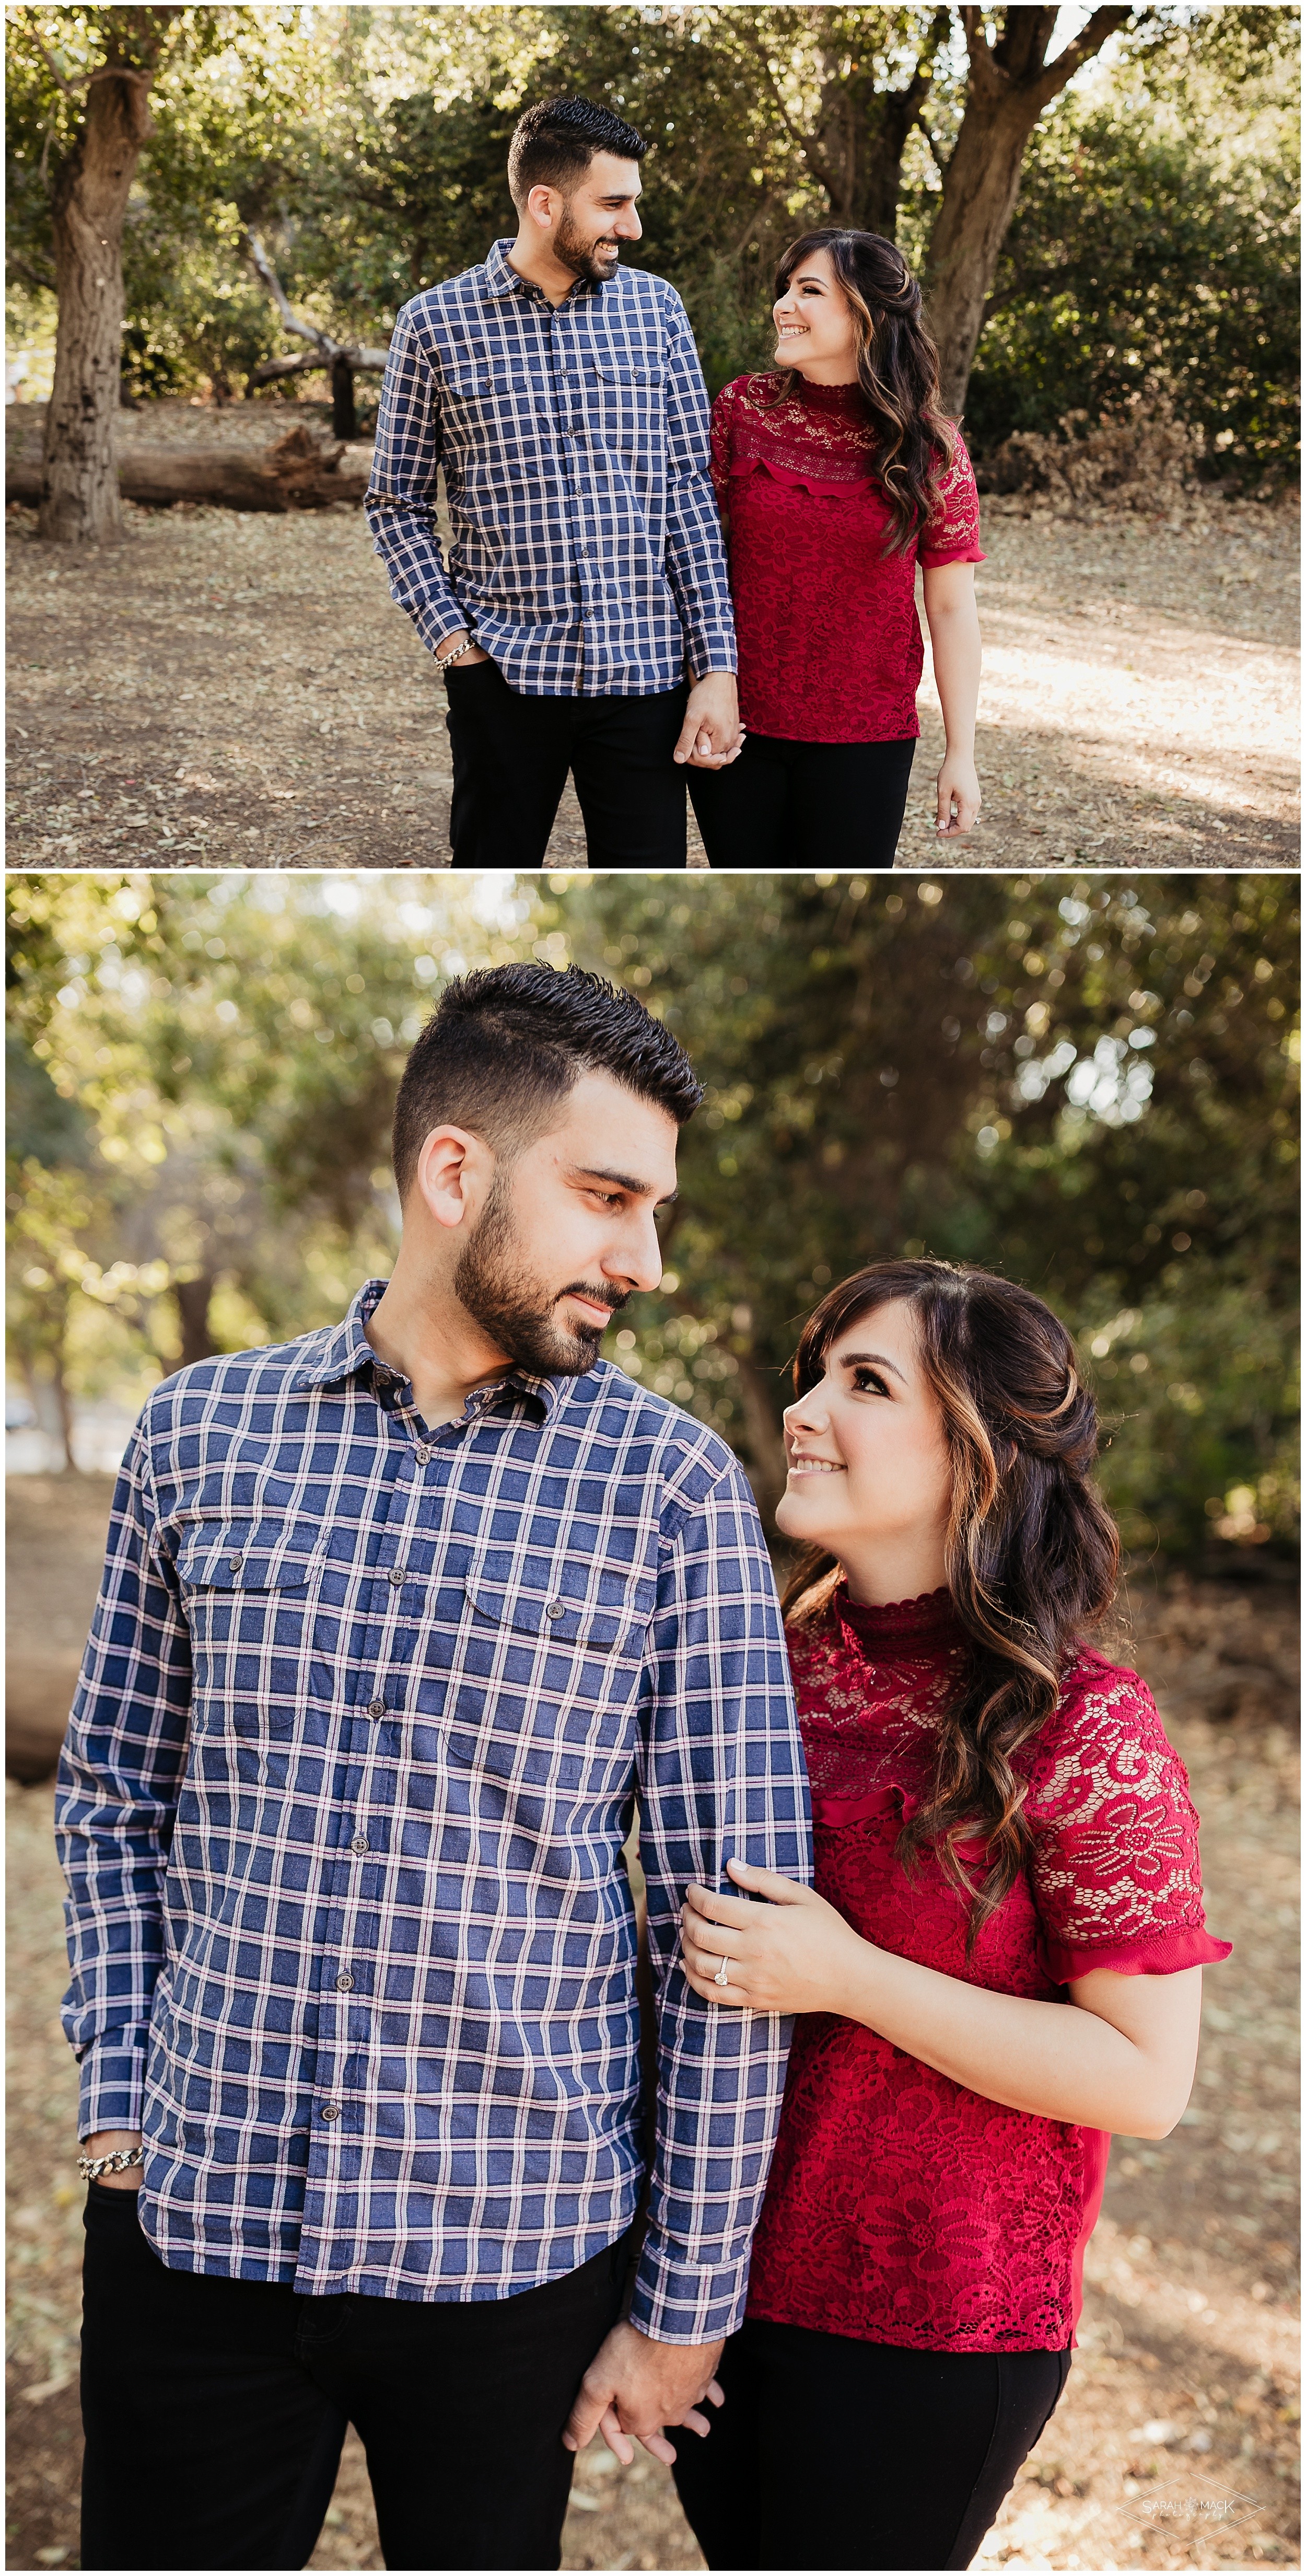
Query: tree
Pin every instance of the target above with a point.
(89, 180)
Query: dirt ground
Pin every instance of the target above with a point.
(237, 689)
(1176, 2442)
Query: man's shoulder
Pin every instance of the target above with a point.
(667, 1442)
(429, 312)
(268, 1370)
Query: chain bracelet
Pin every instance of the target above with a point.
(91, 2167)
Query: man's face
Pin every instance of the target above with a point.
(593, 222)
(567, 1232)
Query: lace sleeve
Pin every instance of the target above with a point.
(1115, 1871)
(951, 534)
(722, 418)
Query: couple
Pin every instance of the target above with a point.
(586, 620)
(400, 1623)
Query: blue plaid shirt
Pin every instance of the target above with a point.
(341, 1810)
(587, 555)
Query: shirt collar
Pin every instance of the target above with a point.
(501, 278)
(341, 1351)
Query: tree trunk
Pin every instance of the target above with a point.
(344, 418)
(858, 147)
(1009, 87)
(769, 1469)
(65, 1404)
(193, 1297)
(80, 501)
(293, 474)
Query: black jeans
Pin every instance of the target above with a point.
(511, 755)
(804, 804)
(833, 2453)
(215, 2411)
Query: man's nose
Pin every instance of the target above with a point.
(628, 226)
(636, 1262)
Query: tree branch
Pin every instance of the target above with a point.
(71, 89)
(1090, 40)
(23, 270)
(329, 349)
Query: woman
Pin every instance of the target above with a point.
(835, 475)
(1000, 1963)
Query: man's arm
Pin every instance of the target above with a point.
(401, 493)
(119, 1775)
(696, 557)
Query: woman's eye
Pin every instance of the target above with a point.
(869, 1382)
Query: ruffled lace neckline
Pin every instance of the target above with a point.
(885, 1630)
(844, 401)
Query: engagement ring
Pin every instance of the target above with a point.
(722, 1977)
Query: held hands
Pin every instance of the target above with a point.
(711, 735)
(634, 2386)
(959, 796)
(793, 1954)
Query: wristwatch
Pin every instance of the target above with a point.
(91, 2167)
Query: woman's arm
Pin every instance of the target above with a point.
(955, 643)
(1123, 2060)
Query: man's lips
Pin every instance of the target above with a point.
(591, 1306)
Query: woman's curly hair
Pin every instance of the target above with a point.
(1031, 1550)
(897, 370)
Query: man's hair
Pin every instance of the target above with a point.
(506, 1046)
(554, 143)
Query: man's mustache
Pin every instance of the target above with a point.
(615, 1298)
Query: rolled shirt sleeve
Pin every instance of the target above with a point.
(722, 1775)
(696, 557)
(119, 1774)
(401, 494)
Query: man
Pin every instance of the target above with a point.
(564, 398)
(396, 1622)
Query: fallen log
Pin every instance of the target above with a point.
(293, 474)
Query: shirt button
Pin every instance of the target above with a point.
(555, 1610)
(234, 1564)
(330, 2111)
(421, 1453)
(376, 1708)
(345, 1984)
(396, 1575)
(360, 1843)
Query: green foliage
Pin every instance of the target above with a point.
(1087, 1084)
(1144, 248)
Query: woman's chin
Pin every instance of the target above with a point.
(795, 1516)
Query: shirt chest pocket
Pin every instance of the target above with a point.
(249, 1586)
(626, 399)
(552, 1655)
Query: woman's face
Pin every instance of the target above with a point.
(814, 324)
(869, 1473)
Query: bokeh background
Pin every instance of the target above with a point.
(1087, 1082)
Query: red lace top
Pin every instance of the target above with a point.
(901, 2208)
(829, 642)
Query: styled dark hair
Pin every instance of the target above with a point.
(897, 370)
(1032, 1552)
(554, 143)
(507, 1044)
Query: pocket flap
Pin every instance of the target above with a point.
(247, 1555)
(578, 1604)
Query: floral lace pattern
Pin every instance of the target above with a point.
(806, 522)
(901, 2207)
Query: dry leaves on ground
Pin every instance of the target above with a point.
(233, 689)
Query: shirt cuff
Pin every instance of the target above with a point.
(112, 2092)
(1160, 1954)
(435, 625)
(676, 2301)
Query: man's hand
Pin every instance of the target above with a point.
(635, 2386)
(104, 2143)
(451, 644)
(711, 735)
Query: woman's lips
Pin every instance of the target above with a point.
(816, 1467)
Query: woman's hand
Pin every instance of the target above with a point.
(793, 1954)
(959, 796)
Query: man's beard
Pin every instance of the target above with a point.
(579, 256)
(515, 1309)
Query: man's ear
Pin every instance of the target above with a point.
(453, 1175)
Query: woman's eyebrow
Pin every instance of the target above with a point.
(870, 1359)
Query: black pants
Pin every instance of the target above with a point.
(215, 2411)
(834, 2453)
(511, 755)
(804, 804)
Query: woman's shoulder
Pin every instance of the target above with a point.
(1105, 1728)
